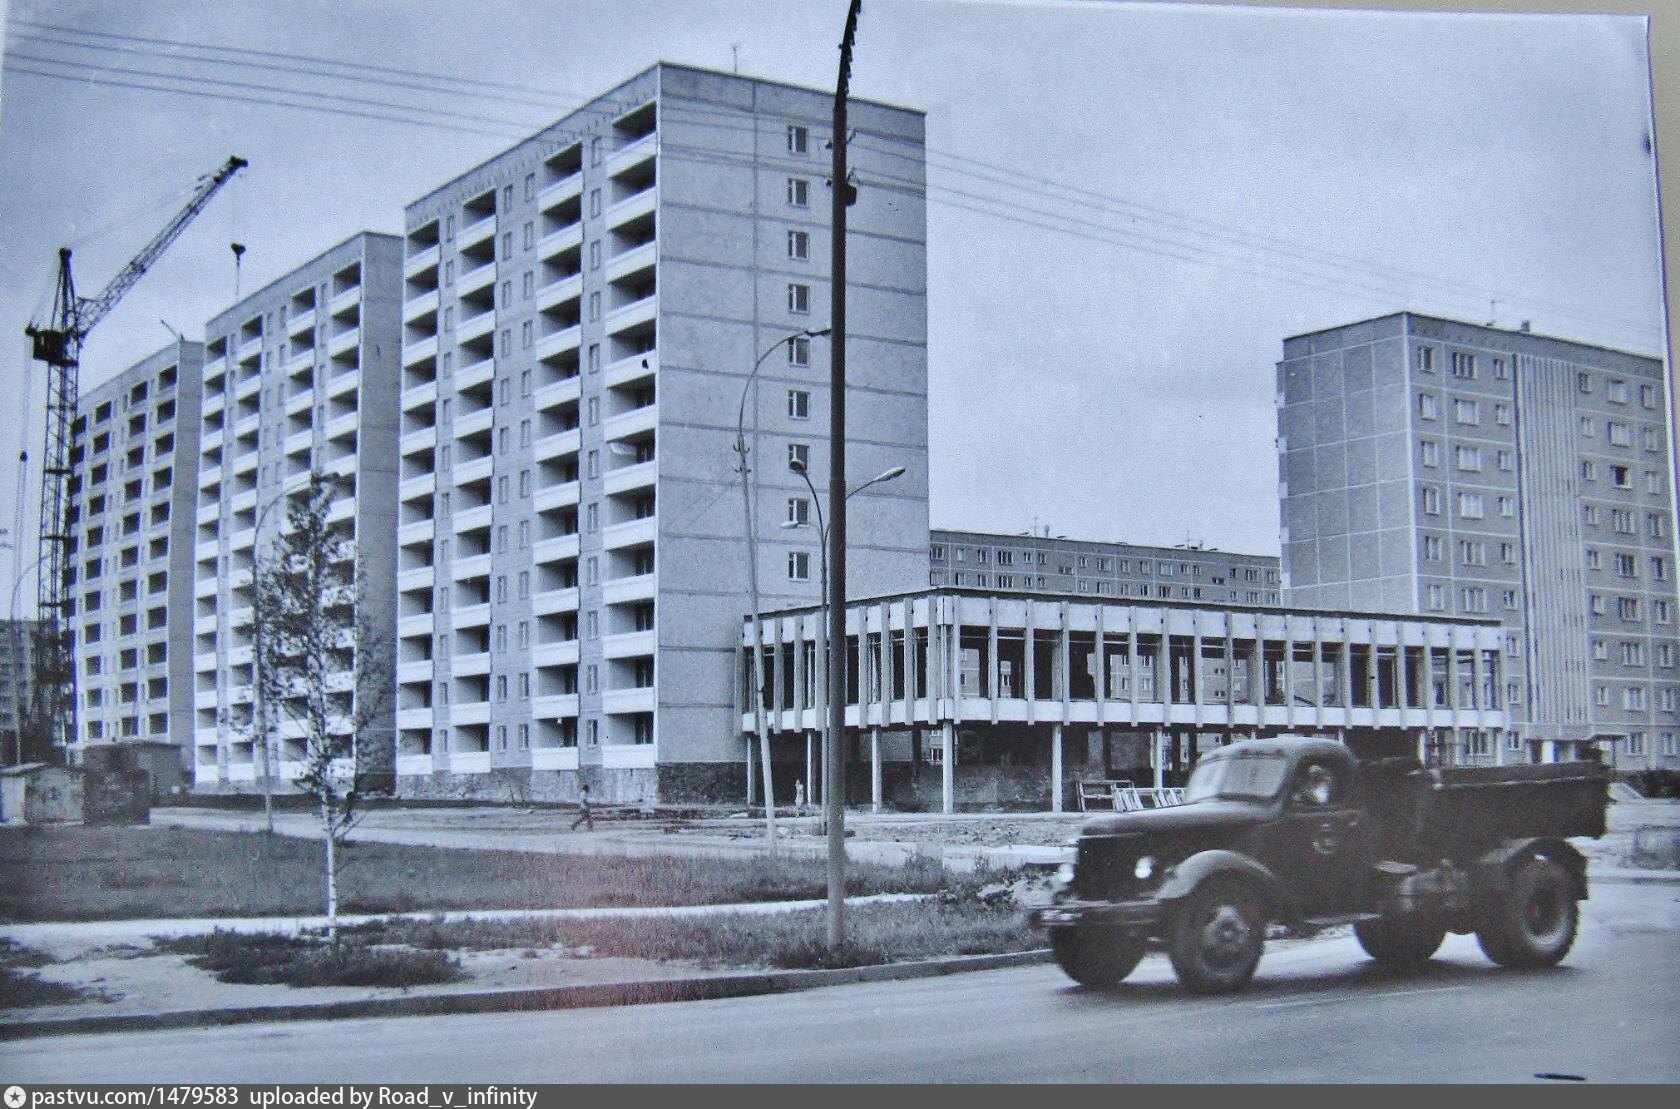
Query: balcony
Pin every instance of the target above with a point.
(551, 601)
(625, 478)
(414, 442)
(473, 566)
(636, 312)
(629, 155)
(420, 350)
(555, 654)
(556, 243)
(628, 700)
(476, 232)
(417, 625)
(470, 666)
(629, 644)
(630, 423)
(471, 616)
(249, 349)
(554, 758)
(476, 374)
(633, 207)
(474, 469)
(480, 325)
(419, 396)
(417, 578)
(300, 401)
(248, 388)
(344, 342)
(639, 588)
(342, 302)
(423, 305)
(559, 342)
(631, 533)
(631, 261)
(419, 530)
(470, 762)
(561, 191)
(557, 445)
(560, 292)
(420, 261)
(554, 550)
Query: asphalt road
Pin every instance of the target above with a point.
(1318, 1011)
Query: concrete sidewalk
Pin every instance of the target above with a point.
(637, 838)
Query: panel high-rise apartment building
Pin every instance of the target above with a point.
(581, 314)
(299, 377)
(135, 471)
(1433, 466)
(1034, 563)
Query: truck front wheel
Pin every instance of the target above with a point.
(1404, 942)
(1533, 922)
(1093, 957)
(1217, 936)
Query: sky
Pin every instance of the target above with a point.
(1130, 205)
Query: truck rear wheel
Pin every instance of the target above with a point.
(1533, 923)
(1217, 937)
(1095, 957)
(1406, 942)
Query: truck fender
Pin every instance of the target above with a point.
(1183, 879)
(1492, 869)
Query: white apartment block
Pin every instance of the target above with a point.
(1439, 467)
(580, 316)
(134, 485)
(300, 376)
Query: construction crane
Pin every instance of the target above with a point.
(58, 344)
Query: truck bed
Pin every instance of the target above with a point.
(1485, 804)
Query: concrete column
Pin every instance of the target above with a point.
(992, 666)
(810, 782)
(1029, 665)
(1101, 667)
(875, 770)
(1056, 768)
(948, 768)
(1155, 756)
(1318, 673)
(1064, 662)
(752, 772)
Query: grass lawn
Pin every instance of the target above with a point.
(879, 933)
(80, 873)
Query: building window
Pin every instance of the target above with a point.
(1656, 525)
(1467, 411)
(798, 511)
(1589, 515)
(1470, 506)
(1463, 365)
(1504, 460)
(1435, 598)
(1432, 548)
(1616, 392)
(1473, 599)
(799, 404)
(1426, 359)
(1583, 382)
(799, 245)
(1431, 452)
(798, 139)
(1647, 396)
(799, 456)
(1628, 608)
(799, 298)
(1468, 459)
(799, 351)
(1502, 415)
(798, 192)
(1428, 406)
(799, 566)
(1507, 506)
(1619, 434)
(1589, 470)
(1501, 372)
(1587, 427)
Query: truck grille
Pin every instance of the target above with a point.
(1103, 867)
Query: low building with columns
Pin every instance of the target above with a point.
(967, 699)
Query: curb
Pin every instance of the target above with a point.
(524, 1000)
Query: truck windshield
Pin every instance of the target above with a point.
(1254, 777)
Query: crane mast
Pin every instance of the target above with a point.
(51, 725)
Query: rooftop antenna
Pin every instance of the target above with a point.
(735, 57)
(238, 256)
(1525, 327)
(1493, 314)
(179, 338)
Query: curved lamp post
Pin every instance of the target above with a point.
(752, 578)
(823, 642)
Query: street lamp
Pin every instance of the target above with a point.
(752, 579)
(825, 642)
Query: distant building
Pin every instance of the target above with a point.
(136, 488)
(1043, 564)
(300, 376)
(1438, 467)
(17, 653)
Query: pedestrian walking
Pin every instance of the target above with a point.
(584, 816)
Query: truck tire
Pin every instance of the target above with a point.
(1095, 957)
(1533, 922)
(1218, 934)
(1405, 942)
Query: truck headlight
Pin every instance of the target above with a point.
(1144, 868)
(1064, 874)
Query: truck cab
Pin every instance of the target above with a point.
(1299, 833)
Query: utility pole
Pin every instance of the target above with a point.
(834, 793)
